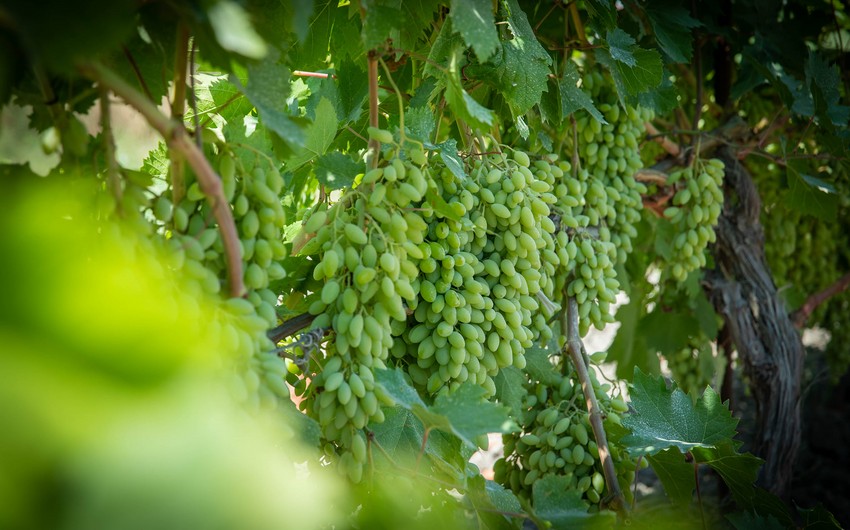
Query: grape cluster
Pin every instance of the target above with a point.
(692, 366)
(371, 244)
(694, 214)
(478, 294)
(805, 255)
(609, 156)
(195, 247)
(557, 439)
(598, 203)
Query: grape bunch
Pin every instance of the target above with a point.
(371, 244)
(692, 367)
(478, 307)
(609, 156)
(556, 439)
(694, 214)
(195, 246)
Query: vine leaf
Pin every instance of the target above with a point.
(233, 30)
(510, 390)
(666, 418)
(620, 46)
(634, 69)
(462, 413)
(448, 152)
(573, 97)
(401, 435)
(475, 22)
(668, 332)
(492, 502)
(754, 521)
(824, 82)
(538, 366)
(267, 89)
(672, 25)
(520, 72)
(809, 195)
(336, 170)
(462, 104)
(555, 502)
(629, 348)
(676, 475)
(320, 135)
(470, 416)
(739, 471)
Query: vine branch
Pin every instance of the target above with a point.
(178, 141)
(177, 169)
(374, 145)
(113, 176)
(576, 350)
(661, 139)
(801, 316)
(291, 327)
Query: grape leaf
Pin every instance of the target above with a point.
(382, 18)
(520, 72)
(420, 122)
(462, 104)
(555, 502)
(676, 475)
(629, 348)
(573, 97)
(462, 413)
(491, 502)
(538, 366)
(470, 415)
(398, 388)
(510, 390)
(401, 435)
(448, 153)
(672, 24)
(267, 88)
(475, 22)
(311, 52)
(233, 30)
(668, 418)
(644, 75)
(819, 517)
(320, 135)
(620, 46)
(336, 170)
(806, 195)
(753, 521)
(739, 471)
(229, 103)
(824, 82)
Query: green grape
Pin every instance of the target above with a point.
(694, 214)
(556, 439)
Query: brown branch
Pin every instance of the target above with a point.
(177, 168)
(178, 140)
(290, 327)
(801, 316)
(651, 176)
(666, 143)
(576, 350)
(113, 175)
(374, 145)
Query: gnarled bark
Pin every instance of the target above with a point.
(742, 290)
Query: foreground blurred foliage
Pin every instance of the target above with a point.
(113, 409)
